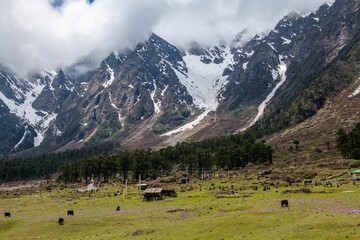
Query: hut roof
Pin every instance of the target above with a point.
(142, 184)
(153, 190)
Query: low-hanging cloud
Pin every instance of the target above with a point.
(37, 36)
(209, 22)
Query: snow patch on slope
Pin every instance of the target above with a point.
(112, 77)
(286, 41)
(40, 120)
(22, 139)
(157, 104)
(204, 82)
(330, 3)
(56, 131)
(42, 127)
(189, 125)
(281, 72)
(26, 110)
(356, 92)
(244, 66)
(39, 138)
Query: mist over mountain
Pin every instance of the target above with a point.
(153, 93)
(48, 35)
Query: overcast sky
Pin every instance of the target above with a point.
(35, 35)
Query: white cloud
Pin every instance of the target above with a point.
(37, 36)
(209, 21)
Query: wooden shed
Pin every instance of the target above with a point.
(153, 194)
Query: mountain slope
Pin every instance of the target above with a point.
(307, 88)
(129, 90)
(273, 80)
(156, 95)
(19, 121)
(317, 135)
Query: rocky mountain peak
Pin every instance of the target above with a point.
(158, 93)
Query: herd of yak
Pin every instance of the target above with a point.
(61, 219)
(284, 203)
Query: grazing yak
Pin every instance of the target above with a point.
(7, 214)
(61, 221)
(70, 212)
(284, 203)
(118, 208)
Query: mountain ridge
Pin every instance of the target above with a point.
(157, 95)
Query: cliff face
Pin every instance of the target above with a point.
(156, 95)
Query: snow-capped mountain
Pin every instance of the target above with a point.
(30, 106)
(131, 89)
(156, 94)
(17, 97)
(313, 44)
(204, 78)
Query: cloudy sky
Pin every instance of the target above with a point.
(36, 35)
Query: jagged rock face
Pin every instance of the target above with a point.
(298, 48)
(129, 90)
(11, 86)
(29, 107)
(150, 91)
(16, 133)
(54, 93)
(252, 77)
(12, 130)
(209, 55)
(319, 42)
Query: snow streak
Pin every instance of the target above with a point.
(156, 103)
(26, 111)
(282, 75)
(22, 139)
(112, 77)
(356, 92)
(204, 82)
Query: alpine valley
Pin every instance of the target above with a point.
(301, 77)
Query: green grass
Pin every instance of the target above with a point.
(196, 214)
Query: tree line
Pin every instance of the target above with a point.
(45, 165)
(230, 152)
(349, 143)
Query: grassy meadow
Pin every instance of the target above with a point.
(199, 213)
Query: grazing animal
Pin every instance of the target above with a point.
(307, 182)
(70, 212)
(284, 203)
(118, 208)
(7, 214)
(61, 221)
